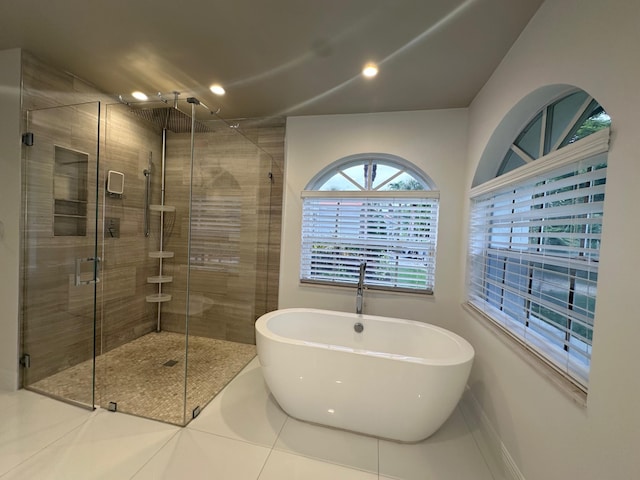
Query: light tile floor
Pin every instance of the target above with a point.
(242, 434)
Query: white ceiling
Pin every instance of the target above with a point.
(275, 57)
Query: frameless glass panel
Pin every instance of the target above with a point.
(61, 260)
(230, 232)
(191, 262)
(141, 369)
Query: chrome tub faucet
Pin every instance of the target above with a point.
(359, 296)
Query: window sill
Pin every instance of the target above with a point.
(561, 381)
(377, 289)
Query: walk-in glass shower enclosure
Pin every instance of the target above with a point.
(148, 244)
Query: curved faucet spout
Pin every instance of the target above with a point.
(359, 291)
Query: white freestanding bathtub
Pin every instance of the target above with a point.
(397, 379)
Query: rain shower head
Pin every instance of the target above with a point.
(170, 118)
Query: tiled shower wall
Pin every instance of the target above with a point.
(129, 146)
(57, 320)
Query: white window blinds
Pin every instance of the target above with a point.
(534, 252)
(394, 233)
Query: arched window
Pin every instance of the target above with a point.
(535, 234)
(563, 122)
(376, 209)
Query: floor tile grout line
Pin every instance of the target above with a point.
(190, 426)
(318, 459)
(228, 437)
(378, 451)
(264, 464)
(157, 452)
(48, 445)
(475, 441)
(272, 448)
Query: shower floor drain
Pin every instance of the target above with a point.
(169, 363)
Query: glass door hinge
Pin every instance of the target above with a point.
(25, 360)
(27, 139)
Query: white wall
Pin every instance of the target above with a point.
(10, 200)
(434, 141)
(593, 45)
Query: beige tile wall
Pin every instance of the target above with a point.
(128, 144)
(57, 316)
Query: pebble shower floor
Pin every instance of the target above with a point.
(145, 377)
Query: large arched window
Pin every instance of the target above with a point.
(535, 234)
(376, 209)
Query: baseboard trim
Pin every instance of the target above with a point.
(499, 460)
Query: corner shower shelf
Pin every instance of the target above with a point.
(162, 208)
(162, 254)
(158, 298)
(160, 279)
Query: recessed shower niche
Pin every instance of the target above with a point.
(70, 192)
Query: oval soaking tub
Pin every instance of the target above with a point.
(396, 379)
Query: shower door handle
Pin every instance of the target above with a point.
(79, 281)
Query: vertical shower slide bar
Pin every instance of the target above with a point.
(147, 199)
(162, 188)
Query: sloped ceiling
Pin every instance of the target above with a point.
(276, 57)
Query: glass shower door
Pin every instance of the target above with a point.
(61, 264)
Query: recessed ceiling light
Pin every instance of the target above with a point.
(370, 70)
(217, 89)
(139, 96)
